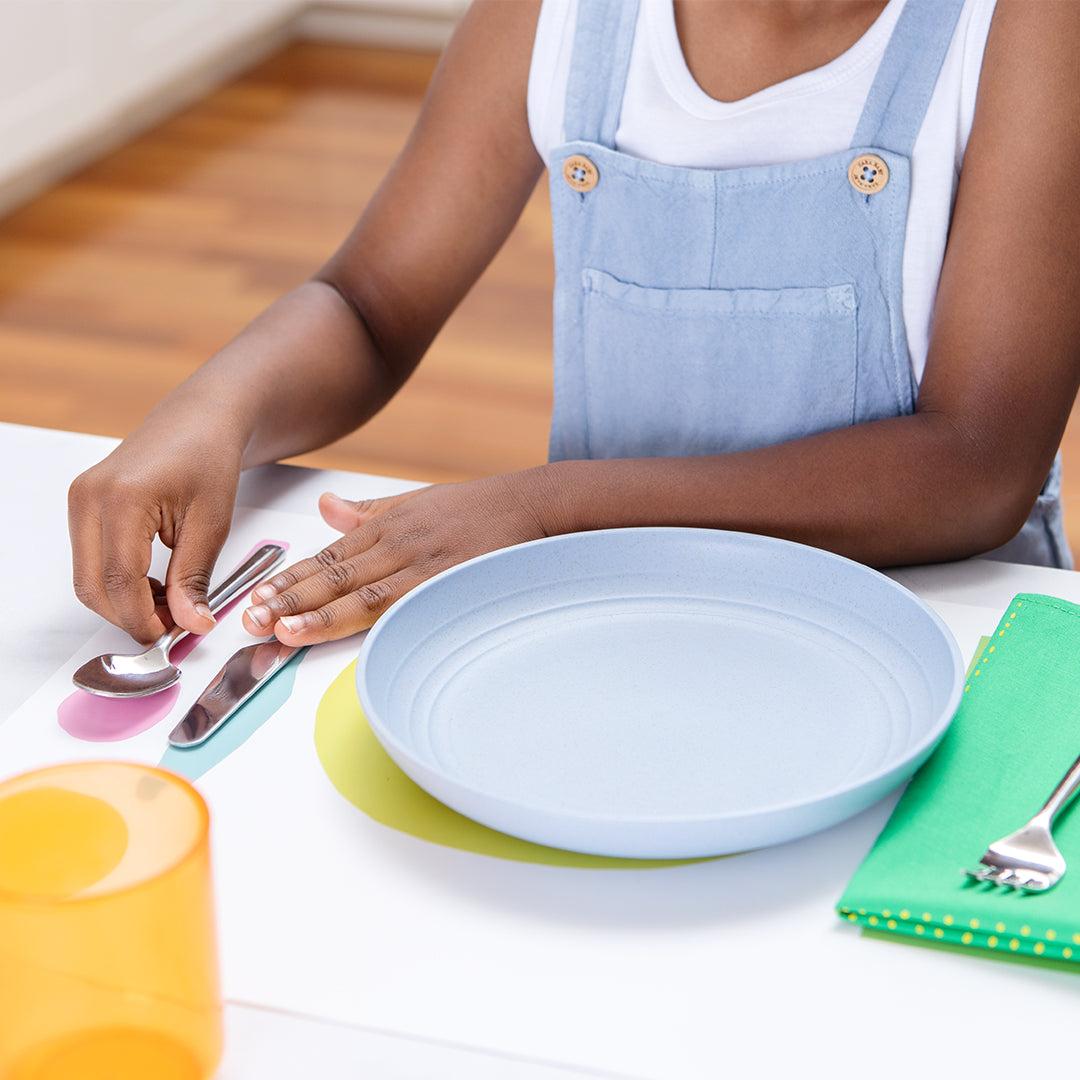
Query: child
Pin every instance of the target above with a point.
(751, 203)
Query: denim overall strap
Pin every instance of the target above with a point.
(905, 81)
(603, 39)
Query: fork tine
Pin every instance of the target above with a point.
(1006, 877)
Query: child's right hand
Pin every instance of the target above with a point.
(181, 489)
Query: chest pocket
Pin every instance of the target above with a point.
(710, 371)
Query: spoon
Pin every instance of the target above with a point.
(123, 675)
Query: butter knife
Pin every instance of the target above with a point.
(246, 672)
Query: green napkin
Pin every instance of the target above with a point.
(1016, 733)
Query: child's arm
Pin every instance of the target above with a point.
(331, 353)
(957, 478)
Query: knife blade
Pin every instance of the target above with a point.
(245, 672)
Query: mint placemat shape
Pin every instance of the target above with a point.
(1016, 733)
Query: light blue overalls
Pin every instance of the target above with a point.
(702, 311)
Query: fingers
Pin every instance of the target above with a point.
(127, 535)
(348, 614)
(91, 571)
(346, 564)
(339, 551)
(196, 546)
(348, 514)
(84, 528)
(325, 585)
(161, 605)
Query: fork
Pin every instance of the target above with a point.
(1029, 859)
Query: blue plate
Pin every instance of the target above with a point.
(659, 693)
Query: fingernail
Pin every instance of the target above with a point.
(264, 591)
(259, 614)
(293, 623)
(205, 612)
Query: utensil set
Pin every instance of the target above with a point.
(121, 675)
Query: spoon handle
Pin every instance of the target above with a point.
(247, 573)
(256, 566)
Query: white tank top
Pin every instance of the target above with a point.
(667, 118)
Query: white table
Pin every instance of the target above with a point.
(794, 989)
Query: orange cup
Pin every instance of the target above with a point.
(108, 957)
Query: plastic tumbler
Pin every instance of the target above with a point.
(108, 957)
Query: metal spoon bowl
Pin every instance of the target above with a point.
(132, 675)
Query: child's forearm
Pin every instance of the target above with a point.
(304, 373)
(906, 490)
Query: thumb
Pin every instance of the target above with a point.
(187, 581)
(348, 514)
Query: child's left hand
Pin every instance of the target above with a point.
(390, 546)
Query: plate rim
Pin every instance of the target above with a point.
(919, 751)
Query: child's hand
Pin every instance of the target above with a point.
(389, 547)
(151, 486)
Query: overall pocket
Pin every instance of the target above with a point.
(709, 371)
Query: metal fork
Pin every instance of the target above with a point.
(1029, 859)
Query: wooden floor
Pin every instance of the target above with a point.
(120, 281)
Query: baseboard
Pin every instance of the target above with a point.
(419, 25)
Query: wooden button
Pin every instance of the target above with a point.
(580, 173)
(868, 174)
